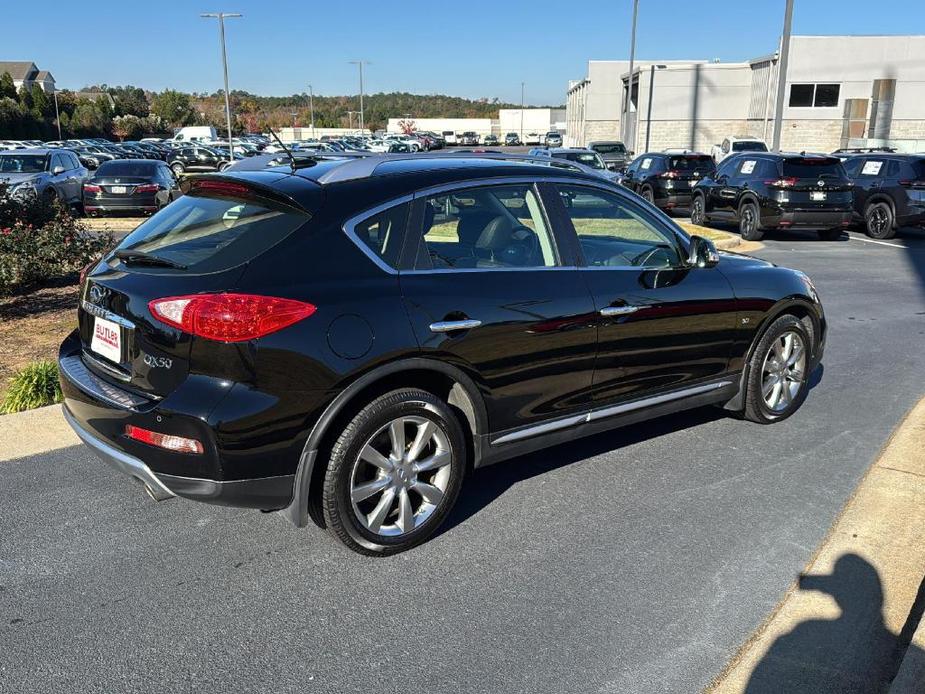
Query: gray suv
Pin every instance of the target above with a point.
(613, 152)
(52, 174)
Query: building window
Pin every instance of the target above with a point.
(814, 95)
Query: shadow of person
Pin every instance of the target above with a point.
(853, 653)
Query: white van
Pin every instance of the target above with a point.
(195, 133)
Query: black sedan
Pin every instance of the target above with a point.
(129, 185)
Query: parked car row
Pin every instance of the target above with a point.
(761, 191)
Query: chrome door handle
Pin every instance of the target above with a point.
(618, 310)
(448, 326)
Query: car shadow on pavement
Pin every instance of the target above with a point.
(485, 485)
(853, 653)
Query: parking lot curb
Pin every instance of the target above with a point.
(728, 244)
(876, 538)
(34, 432)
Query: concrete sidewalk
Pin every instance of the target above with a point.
(843, 625)
(34, 432)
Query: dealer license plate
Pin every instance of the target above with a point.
(817, 195)
(107, 339)
(121, 190)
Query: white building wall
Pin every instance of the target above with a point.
(482, 126)
(538, 120)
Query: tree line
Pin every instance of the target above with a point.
(134, 112)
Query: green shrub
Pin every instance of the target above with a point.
(35, 386)
(41, 241)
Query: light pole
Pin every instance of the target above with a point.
(57, 115)
(294, 115)
(649, 113)
(221, 16)
(522, 112)
(782, 76)
(350, 115)
(311, 105)
(360, 64)
(629, 84)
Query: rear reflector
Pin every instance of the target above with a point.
(229, 317)
(178, 444)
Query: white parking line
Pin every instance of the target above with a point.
(881, 243)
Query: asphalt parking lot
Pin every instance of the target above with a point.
(638, 560)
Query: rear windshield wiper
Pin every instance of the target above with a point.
(131, 257)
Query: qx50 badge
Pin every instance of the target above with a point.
(158, 362)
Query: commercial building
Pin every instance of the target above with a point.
(841, 91)
(26, 73)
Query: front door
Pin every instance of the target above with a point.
(663, 324)
(492, 292)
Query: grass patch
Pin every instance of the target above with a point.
(34, 386)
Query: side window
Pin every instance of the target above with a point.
(872, 168)
(853, 166)
(56, 162)
(614, 233)
(645, 166)
(75, 164)
(726, 168)
(725, 146)
(892, 169)
(383, 233)
(495, 227)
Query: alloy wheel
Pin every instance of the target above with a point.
(877, 220)
(400, 476)
(748, 219)
(783, 371)
(697, 211)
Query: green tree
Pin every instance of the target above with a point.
(173, 107)
(130, 101)
(7, 88)
(25, 97)
(41, 104)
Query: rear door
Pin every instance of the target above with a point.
(663, 324)
(495, 293)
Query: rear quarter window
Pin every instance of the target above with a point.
(214, 233)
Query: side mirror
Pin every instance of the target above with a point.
(58, 170)
(702, 253)
(632, 153)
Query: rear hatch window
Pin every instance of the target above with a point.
(200, 234)
(816, 167)
(689, 167)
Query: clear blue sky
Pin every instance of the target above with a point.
(473, 48)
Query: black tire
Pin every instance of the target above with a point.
(878, 221)
(750, 222)
(757, 409)
(370, 423)
(648, 194)
(829, 234)
(49, 196)
(698, 211)
(178, 169)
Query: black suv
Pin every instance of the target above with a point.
(344, 339)
(665, 179)
(196, 159)
(889, 191)
(772, 190)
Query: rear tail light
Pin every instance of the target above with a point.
(670, 174)
(222, 188)
(91, 188)
(86, 271)
(787, 182)
(178, 444)
(229, 317)
(147, 188)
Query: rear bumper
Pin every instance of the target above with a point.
(263, 493)
(824, 219)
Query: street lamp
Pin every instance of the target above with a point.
(221, 16)
(782, 76)
(350, 115)
(360, 64)
(649, 113)
(522, 112)
(57, 115)
(311, 105)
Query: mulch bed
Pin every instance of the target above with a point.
(33, 323)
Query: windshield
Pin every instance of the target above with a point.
(209, 234)
(609, 148)
(701, 163)
(591, 159)
(126, 168)
(749, 146)
(822, 167)
(22, 163)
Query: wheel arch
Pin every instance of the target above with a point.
(880, 197)
(803, 309)
(748, 196)
(444, 380)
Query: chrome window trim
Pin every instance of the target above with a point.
(350, 225)
(101, 312)
(610, 411)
